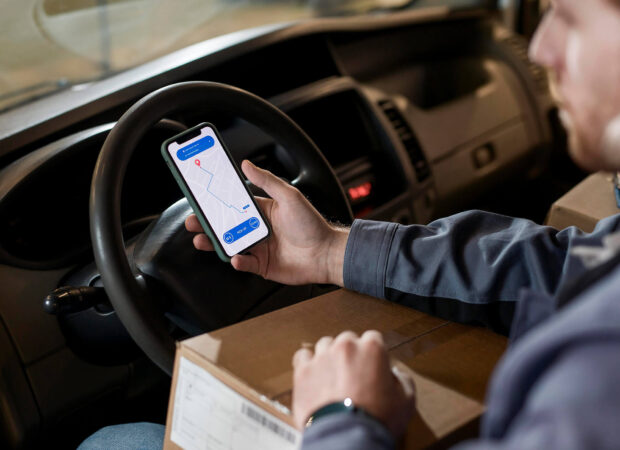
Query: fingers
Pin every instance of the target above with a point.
(372, 336)
(346, 336)
(323, 344)
(202, 242)
(192, 225)
(268, 182)
(326, 341)
(302, 356)
(246, 263)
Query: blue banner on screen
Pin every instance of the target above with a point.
(241, 230)
(195, 148)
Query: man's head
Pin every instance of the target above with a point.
(579, 40)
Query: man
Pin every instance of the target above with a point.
(559, 383)
(558, 386)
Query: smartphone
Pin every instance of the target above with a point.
(215, 189)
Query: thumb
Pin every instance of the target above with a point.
(267, 181)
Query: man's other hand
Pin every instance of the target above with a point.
(357, 368)
(303, 247)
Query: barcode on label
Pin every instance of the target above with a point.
(265, 421)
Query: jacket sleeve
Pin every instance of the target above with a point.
(347, 432)
(575, 404)
(468, 267)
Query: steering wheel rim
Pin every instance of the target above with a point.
(138, 313)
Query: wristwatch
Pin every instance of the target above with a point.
(345, 406)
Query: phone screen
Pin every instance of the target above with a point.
(219, 192)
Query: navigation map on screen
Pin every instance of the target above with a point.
(219, 192)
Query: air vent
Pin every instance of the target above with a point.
(408, 138)
(519, 46)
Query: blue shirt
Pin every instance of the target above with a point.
(557, 292)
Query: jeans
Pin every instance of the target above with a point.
(128, 436)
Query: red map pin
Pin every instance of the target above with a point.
(197, 162)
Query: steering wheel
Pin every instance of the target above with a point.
(135, 303)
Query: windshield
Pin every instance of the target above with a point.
(49, 45)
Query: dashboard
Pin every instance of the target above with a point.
(391, 124)
(420, 114)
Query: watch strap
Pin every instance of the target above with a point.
(344, 406)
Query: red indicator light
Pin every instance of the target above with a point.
(361, 191)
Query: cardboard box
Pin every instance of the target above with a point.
(232, 387)
(583, 206)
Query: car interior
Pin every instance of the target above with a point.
(417, 113)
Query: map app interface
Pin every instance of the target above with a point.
(215, 184)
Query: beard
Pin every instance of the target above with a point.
(578, 149)
(590, 156)
(575, 141)
(610, 144)
(593, 139)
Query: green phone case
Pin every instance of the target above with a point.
(190, 197)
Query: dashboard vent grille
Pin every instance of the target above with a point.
(408, 138)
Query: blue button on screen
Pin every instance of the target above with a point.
(241, 230)
(253, 222)
(197, 147)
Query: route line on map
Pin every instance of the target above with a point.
(209, 184)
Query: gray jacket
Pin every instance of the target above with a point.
(557, 292)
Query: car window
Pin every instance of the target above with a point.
(49, 45)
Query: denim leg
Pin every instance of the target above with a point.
(128, 436)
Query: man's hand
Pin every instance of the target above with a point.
(303, 247)
(355, 368)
